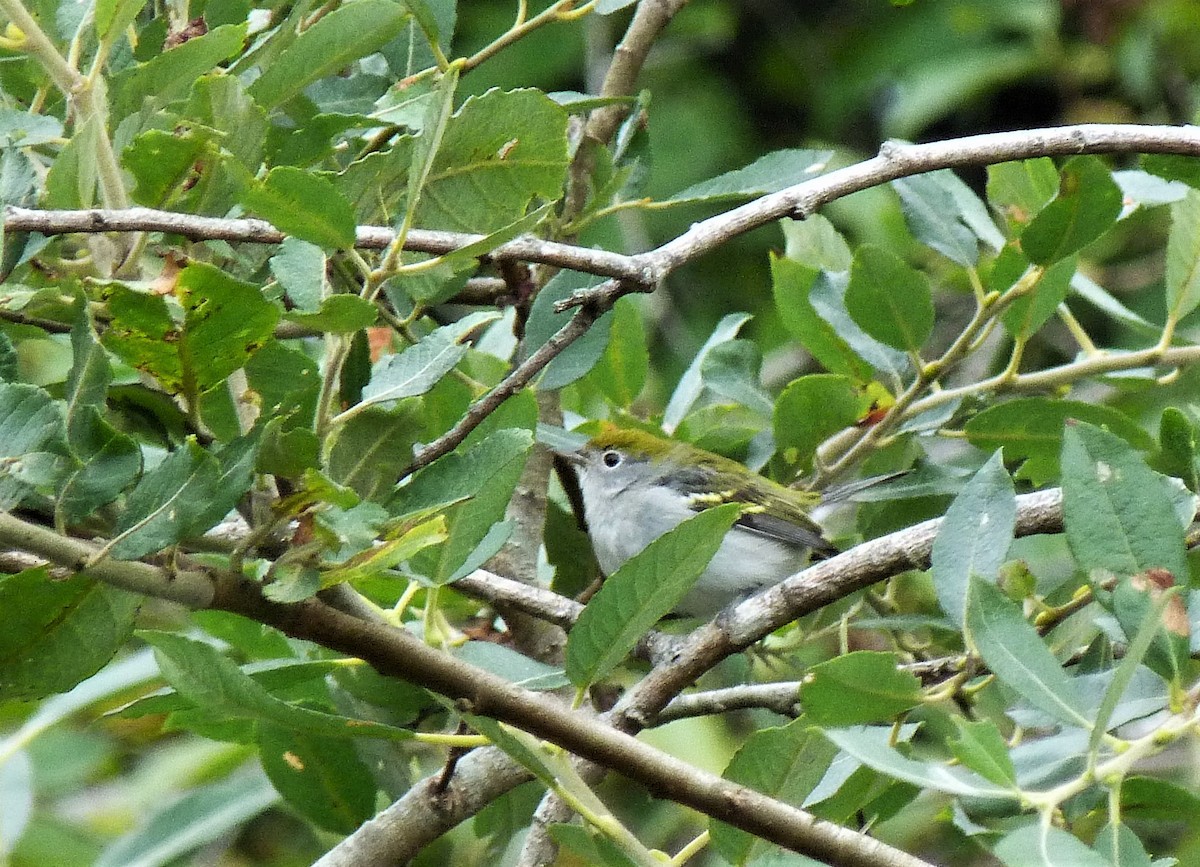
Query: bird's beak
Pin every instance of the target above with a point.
(575, 459)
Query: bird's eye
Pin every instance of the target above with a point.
(611, 459)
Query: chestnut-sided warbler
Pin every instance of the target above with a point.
(636, 487)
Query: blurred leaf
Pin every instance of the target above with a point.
(644, 589)
(328, 46)
(1087, 205)
(889, 299)
(40, 648)
(1173, 167)
(210, 680)
(204, 814)
(937, 219)
(1045, 846)
(169, 75)
(419, 367)
(511, 665)
(792, 283)
(305, 205)
(980, 747)
(1139, 605)
(1183, 257)
(828, 299)
(810, 410)
(8, 359)
(29, 423)
(1032, 428)
(974, 537)
(583, 841)
(1177, 448)
(785, 763)
(22, 129)
(1016, 654)
(767, 174)
(113, 16)
(1121, 847)
(691, 384)
(285, 381)
(71, 180)
(16, 787)
(338, 314)
(622, 369)
(1020, 189)
(322, 778)
(1115, 509)
(300, 269)
(858, 687)
(869, 745)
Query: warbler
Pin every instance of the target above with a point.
(637, 486)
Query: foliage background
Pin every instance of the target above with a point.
(728, 82)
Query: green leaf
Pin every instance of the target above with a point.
(1117, 515)
(161, 161)
(419, 367)
(1030, 311)
(1183, 257)
(587, 844)
(1016, 654)
(169, 75)
(1087, 205)
(792, 283)
(8, 359)
(1019, 190)
(22, 129)
(582, 355)
(980, 747)
(691, 384)
(71, 181)
(859, 687)
(462, 473)
(511, 665)
(732, 371)
(300, 269)
(1120, 846)
(1139, 605)
(41, 651)
(225, 322)
(167, 503)
(29, 423)
(500, 153)
(322, 778)
(870, 745)
(828, 298)
(816, 243)
(1032, 428)
(113, 16)
(647, 587)
(305, 205)
(400, 546)
(285, 381)
(889, 299)
(210, 680)
(1177, 448)
(328, 46)
(785, 763)
(974, 537)
(1173, 167)
(1045, 846)
(811, 409)
(338, 314)
(621, 371)
(107, 460)
(370, 450)
(767, 174)
(936, 213)
(470, 524)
